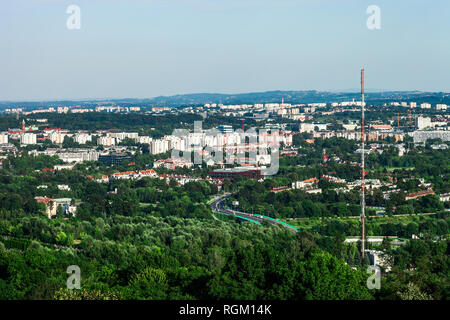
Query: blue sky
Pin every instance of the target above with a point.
(146, 48)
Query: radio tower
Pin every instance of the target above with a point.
(363, 201)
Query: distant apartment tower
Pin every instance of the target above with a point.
(78, 156)
(425, 105)
(125, 135)
(413, 104)
(422, 136)
(159, 146)
(28, 138)
(106, 141)
(177, 143)
(311, 127)
(63, 109)
(442, 107)
(144, 139)
(82, 138)
(3, 137)
(57, 137)
(423, 123)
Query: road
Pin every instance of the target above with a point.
(217, 205)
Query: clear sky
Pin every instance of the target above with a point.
(146, 48)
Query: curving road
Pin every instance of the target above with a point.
(218, 206)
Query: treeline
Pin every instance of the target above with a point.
(173, 258)
(431, 226)
(146, 196)
(153, 125)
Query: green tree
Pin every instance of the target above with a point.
(148, 284)
(325, 277)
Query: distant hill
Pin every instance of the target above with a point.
(310, 96)
(300, 97)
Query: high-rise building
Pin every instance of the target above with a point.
(423, 123)
(159, 146)
(106, 141)
(3, 137)
(56, 137)
(82, 138)
(28, 138)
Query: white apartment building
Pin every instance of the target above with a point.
(3, 137)
(317, 105)
(422, 136)
(144, 139)
(57, 137)
(423, 123)
(106, 141)
(445, 197)
(63, 109)
(177, 143)
(369, 184)
(350, 103)
(159, 146)
(82, 138)
(81, 110)
(305, 184)
(425, 105)
(310, 127)
(28, 138)
(442, 107)
(70, 157)
(275, 139)
(124, 135)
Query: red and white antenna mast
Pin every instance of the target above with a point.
(363, 201)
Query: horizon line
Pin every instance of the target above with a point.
(348, 91)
